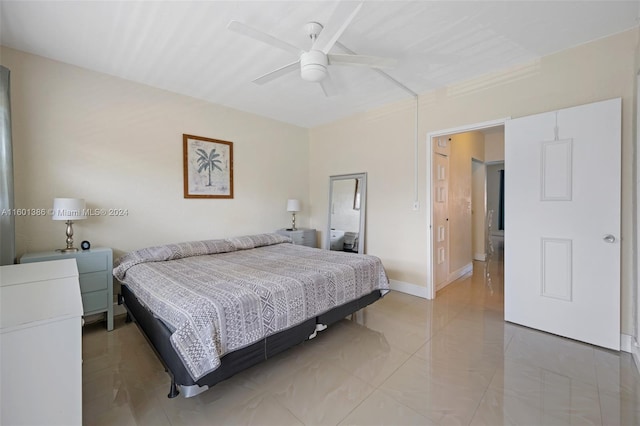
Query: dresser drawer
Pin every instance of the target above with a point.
(93, 281)
(301, 236)
(297, 237)
(92, 263)
(95, 301)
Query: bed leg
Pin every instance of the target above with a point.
(128, 318)
(319, 327)
(173, 390)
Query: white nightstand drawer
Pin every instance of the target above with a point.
(91, 263)
(92, 281)
(297, 238)
(95, 301)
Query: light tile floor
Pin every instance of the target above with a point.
(401, 361)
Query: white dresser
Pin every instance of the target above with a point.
(40, 344)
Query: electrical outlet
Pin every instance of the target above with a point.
(416, 205)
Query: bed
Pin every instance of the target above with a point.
(213, 308)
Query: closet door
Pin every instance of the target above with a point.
(441, 212)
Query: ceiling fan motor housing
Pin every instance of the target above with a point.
(313, 65)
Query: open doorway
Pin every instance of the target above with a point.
(460, 230)
(495, 197)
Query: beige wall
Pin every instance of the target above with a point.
(380, 142)
(118, 144)
(494, 145)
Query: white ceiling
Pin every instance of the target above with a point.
(184, 46)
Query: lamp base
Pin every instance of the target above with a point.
(67, 250)
(70, 248)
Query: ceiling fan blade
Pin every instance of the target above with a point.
(342, 16)
(328, 87)
(361, 60)
(380, 72)
(270, 76)
(259, 35)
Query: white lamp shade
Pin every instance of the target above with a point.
(293, 205)
(68, 209)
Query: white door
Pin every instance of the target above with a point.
(562, 220)
(441, 211)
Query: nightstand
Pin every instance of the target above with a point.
(301, 236)
(95, 268)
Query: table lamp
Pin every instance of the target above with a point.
(293, 206)
(68, 209)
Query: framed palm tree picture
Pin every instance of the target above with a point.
(208, 167)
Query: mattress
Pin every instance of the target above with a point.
(219, 296)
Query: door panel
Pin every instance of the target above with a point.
(441, 212)
(562, 198)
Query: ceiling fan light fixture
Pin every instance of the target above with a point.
(313, 65)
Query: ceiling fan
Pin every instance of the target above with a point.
(313, 63)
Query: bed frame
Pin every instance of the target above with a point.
(157, 334)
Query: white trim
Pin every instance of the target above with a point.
(466, 269)
(635, 351)
(412, 289)
(430, 288)
(480, 256)
(635, 307)
(626, 342)
(470, 127)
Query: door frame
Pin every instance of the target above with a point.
(431, 288)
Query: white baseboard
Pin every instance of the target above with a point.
(412, 289)
(629, 344)
(626, 342)
(635, 351)
(480, 256)
(468, 268)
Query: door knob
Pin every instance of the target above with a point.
(609, 238)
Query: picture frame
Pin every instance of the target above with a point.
(208, 167)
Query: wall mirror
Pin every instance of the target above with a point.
(347, 211)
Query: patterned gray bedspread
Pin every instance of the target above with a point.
(218, 296)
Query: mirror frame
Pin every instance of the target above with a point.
(363, 207)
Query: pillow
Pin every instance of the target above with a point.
(259, 240)
(197, 248)
(169, 252)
